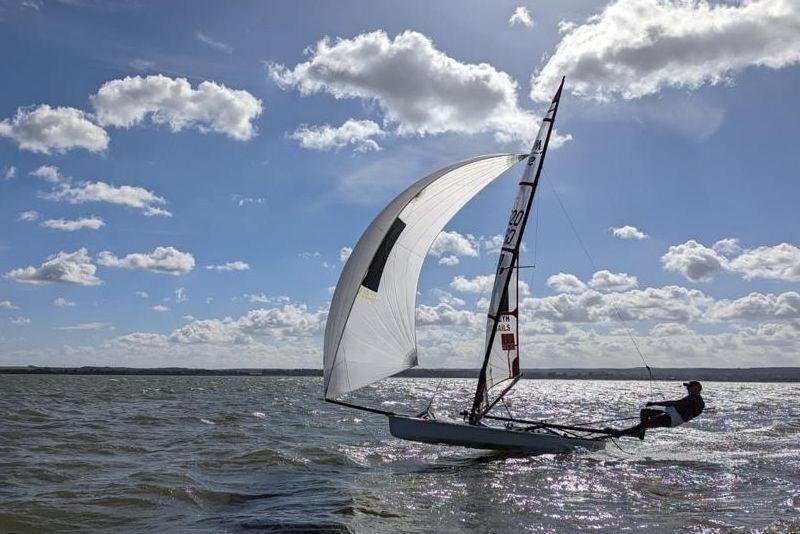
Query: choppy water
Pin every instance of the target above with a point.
(229, 454)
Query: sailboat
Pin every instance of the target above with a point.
(370, 334)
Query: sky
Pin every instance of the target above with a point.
(181, 183)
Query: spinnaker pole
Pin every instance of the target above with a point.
(509, 256)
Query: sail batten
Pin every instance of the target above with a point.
(370, 333)
(501, 359)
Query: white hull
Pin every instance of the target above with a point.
(484, 437)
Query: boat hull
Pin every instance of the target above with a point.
(484, 437)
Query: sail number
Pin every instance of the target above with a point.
(513, 222)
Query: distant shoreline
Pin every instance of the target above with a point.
(752, 374)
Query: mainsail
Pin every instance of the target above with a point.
(501, 360)
(370, 334)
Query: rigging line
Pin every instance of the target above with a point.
(594, 268)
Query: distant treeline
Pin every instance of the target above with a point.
(752, 374)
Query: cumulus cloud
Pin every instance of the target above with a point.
(608, 281)
(419, 89)
(211, 107)
(344, 253)
(53, 130)
(229, 266)
(20, 321)
(727, 247)
(449, 260)
(779, 262)
(481, 284)
(49, 173)
(167, 260)
(61, 302)
(454, 244)
(160, 308)
(28, 216)
(7, 305)
(628, 232)
(444, 314)
(669, 303)
(671, 329)
(758, 306)
(522, 16)
(634, 48)
(700, 263)
(64, 267)
(65, 225)
(9, 172)
(694, 261)
(125, 195)
(356, 133)
(566, 283)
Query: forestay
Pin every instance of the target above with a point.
(501, 361)
(370, 333)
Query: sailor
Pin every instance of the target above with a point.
(668, 414)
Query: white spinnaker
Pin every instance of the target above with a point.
(370, 333)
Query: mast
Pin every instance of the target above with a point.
(509, 257)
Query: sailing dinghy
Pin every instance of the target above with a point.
(370, 334)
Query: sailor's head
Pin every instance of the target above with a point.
(693, 387)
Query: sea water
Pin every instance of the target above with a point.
(233, 454)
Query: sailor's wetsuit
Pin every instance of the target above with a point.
(679, 411)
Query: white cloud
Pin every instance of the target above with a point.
(229, 266)
(82, 326)
(167, 260)
(28, 216)
(634, 48)
(261, 298)
(699, 263)
(669, 303)
(61, 302)
(125, 195)
(419, 89)
(212, 331)
(180, 295)
(49, 173)
(10, 172)
(53, 130)
(779, 262)
(290, 320)
(608, 281)
(160, 308)
(694, 261)
(242, 201)
(454, 244)
(727, 247)
(92, 223)
(628, 232)
(7, 305)
(758, 306)
(64, 267)
(344, 253)
(142, 294)
(671, 329)
(356, 133)
(479, 284)
(521, 16)
(449, 260)
(211, 107)
(219, 46)
(20, 321)
(308, 255)
(446, 314)
(566, 283)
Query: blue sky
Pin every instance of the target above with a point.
(273, 148)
